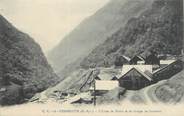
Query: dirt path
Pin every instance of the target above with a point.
(149, 93)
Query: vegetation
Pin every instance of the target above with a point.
(159, 28)
(24, 69)
(93, 31)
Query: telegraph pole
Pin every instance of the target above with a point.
(94, 99)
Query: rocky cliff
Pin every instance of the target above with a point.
(24, 70)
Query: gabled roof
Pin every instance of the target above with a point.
(139, 71)
(105, 85)
(142, 68)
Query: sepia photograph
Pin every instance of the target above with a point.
(91, 57)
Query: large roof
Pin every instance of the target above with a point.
(140, 72)
(143, 68)
(167, 61)
(105, 85)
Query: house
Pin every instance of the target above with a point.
(142, 68)
(135, 59)
(134, 79)
(168, 71)
(101, 87)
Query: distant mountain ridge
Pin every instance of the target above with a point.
(159, 28)
(94, 31)
(24, 69)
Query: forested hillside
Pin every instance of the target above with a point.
(159, 28)
(24, 70)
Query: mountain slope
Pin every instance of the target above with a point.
(94, 31)
(78, 81)
(24, 69)
(159, 28)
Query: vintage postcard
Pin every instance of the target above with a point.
(91, 57)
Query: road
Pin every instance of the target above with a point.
(145, 95)
(149, 93)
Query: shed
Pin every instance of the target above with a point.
(134, 79)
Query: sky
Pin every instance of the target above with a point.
(48, 21)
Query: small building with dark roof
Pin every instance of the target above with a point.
(135, 59)
(152, 59)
